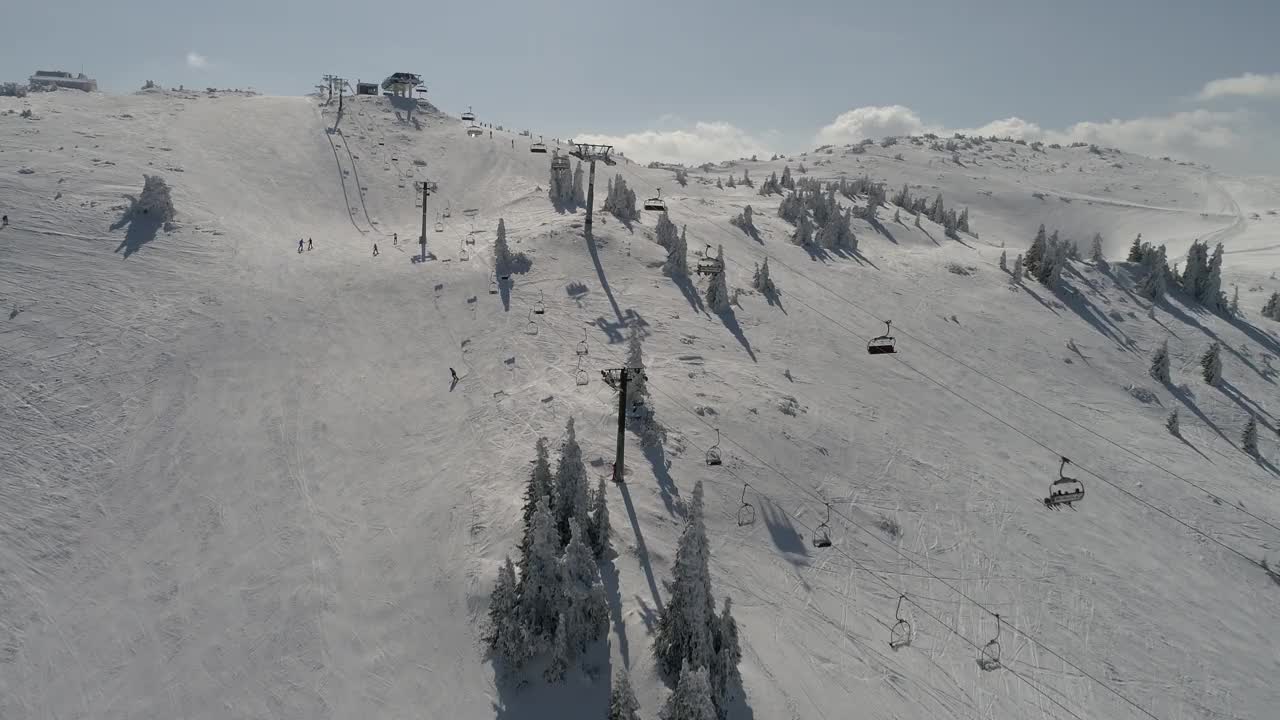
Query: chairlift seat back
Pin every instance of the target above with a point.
(881, 345)
(538, 148)
(822, 540)
(713, 457)
(655, 204)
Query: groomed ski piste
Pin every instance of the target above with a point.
(237, 482)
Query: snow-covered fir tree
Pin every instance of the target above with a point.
(622, 698)
(1160, 363)
(1171, 423)
(1035, 254)
(717, 296)
(572, 497)
(540, 586)
(1211, 364)
(1155, 283)
(801, 169)
(897, 217)
(579, 195)
(1249, 438)
(1196, 271)
(746, 178)
(1271, 309)
(600, 527)
(540, 486)
(560, 184)
(786, 181)
(1233, 309)
(1095, 251)
(724, 674)
(505, 635)
(685, 623)
(638, 385)
(803, 235)
(621, 200)
(731, 182)
(791, 208)
(902, 198)
(761, 281)
(665, 231)
(745, 220)
(1017, 269)
(692, 697)
(559, 663)
(962, 223)
(719, 184)
(917, 220)
(501, 251)
(677, 256)
(936, 211)
(682, 177)
(583, 610)
(1213, 297)
(1135, 250)
(1004, 261)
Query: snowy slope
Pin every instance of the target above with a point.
(239, 484)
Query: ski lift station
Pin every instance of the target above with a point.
(401, 84)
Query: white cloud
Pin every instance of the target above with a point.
(704, 142)
(1182, 133)
(872, 122)
(1248, 85)
(1014, 127)
(197, 61)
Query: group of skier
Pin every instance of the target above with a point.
(309, 246)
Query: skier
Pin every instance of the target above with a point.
(513, 143)
(395, 238)
(5, 221)
(308, 243)
(453, 373)
(375, 249)
(299, 244)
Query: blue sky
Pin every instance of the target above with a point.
(701, 79)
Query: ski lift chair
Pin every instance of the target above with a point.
(746, 511)
(446, 211)
(900, 633)
(462, 252)
(822, 533)
(989, 655)
(493, 285)
(474, 130)
(713, 452)
(539, 308)
(531, 327)
(656, 203)
(439, 225)
(883, 343)
(469, 116)
(709, 267)
(580, 377)
(538, 147)
(1065, 490)
(559, 162)
(582, 349)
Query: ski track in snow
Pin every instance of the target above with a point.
(242, 485)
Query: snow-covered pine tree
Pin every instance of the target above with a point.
(746, 178)
(692, 697)
(1214, 299)
(504, 634)
(1272, 308)
(1211, 364)
(731, 182)
(903, 197)
(1036, 253)
(1196, 270)
(1155, 283)
(583, 607)
(1004, 261)
(540, 585)
(559, 664)
(677, 256)
(801, 169)
(685, 623)
(579, 195)
(745, 221)
(762, 282)
(786, 180)
(665, 231)
(719, 184)
(897, 217)
(621, 200)
(1249, 438)
(622, 699)
(1017, 269)
(1233, 309)
(1095, 251)
(682, 177)
(540, 486)
(1160, 363)
(936, 210)
(1135, 250)
(717, 296)
(501, 251)
(1171, 424)
(791, 208)
(917, 219)
(962, 223)
(803, 235)
(600, 526)
(724, 673)
(572, 498)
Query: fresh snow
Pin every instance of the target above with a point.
(238, 483)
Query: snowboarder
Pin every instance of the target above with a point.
(309, 243)
(299, 244)
(375, 249)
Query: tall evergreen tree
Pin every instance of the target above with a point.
(1272, 308)
(622, 699)
(1039, 247)
(1171, 424)
(1135, 250)
(786, 180)
(1017, 269)
(583, 607)
(962, 223)
(505, 635)
(1234, 308)
(501, 251)
(540, 486)
(677, 256)
(1196, 271)
(728, 654)
(571, 492)
(1003, 261)
(803, 235)
(541, 585)
(1154, 284)
(1249, 439)
(559, 664)
(762, 282)
(692, 698)
(600, 526)
(1211, 364)
(665, 231)
(1095, 251)
(936, 210)
(1214, 299)
(684, 624)
(717, 296)
(1160, 363)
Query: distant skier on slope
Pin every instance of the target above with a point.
(375, 249)
(309, 243)
(299, 244)
(453, 374)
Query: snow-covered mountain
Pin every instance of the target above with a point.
(237, 481)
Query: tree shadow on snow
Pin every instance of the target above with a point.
(730, 321)
(774, 298)
(1187, 398)
(582, 695)
(140, 231)
(1247, 404)
(782, 531)
(1080, 304)
(1184, 317)
(689, 291)
(879, 227)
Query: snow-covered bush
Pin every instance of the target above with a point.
(154, 203)
(1160, 363)
(13, 89)
(1249, 438)
(1271, 310)
(1211, 364)
(761, 281)
(744, 220)
(621, 200)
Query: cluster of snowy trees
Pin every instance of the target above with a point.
(677, 262)
(744, 220)
(694, 646)
(551, 600)
(621, 200)
(717, 295)
(639, 409)
(762, 281)
(818, 217)
(1201, 278)
(1046, 258)
(1272, 308)
(565, 189)
(1211, 372)
(682, 177)
(951, 222)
